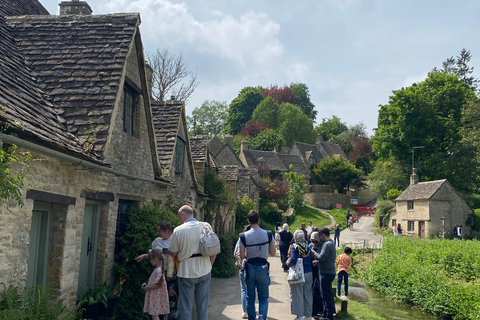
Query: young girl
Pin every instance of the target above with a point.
(156, 296)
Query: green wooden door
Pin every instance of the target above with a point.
(37, 261)
(88, 255)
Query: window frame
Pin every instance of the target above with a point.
(129, 109)
(410, 205)
(394, 222)
(179, 155)
(410, 226)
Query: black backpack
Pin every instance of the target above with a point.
(242, 238)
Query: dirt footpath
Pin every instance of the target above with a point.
(225, 300)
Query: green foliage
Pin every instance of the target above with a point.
(330, 128)
(346, 139)
(296, 185)
(241, 215)
(32, 304)
(476, 223)
(383, 210)
(267, 111)
(241, 109)
(267, 140)
(221, 200)
(224, 266)
(340, 216)
(140, 232)
(428, 114)
(393, 194)
(387, 175)
(211, 116)
(338, 173)
(305, 214)
(459, 66)
(11, 182)
(450, 268)
(96, 294)
(295, 125)
(302, 99)
(270, 213)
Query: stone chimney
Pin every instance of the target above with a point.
(75, 7)
(244, 145)
(319, 138)
(228, 139)
(149, 75)
(414, 177)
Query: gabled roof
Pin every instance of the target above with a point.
(21, 8)
(78, 61)
(275, 161)
(229, 173)
(311, 148)
(23, 106)
(166, 119)
(226, 156)
(421, 190)
(296, 161)
(245, 175)
(327, 149)
(198, 145)
(214, 145)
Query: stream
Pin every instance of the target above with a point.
(382, 305)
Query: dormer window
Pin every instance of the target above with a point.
(310, 161)
(128, 110)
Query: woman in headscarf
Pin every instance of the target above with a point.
(301, 296)
(285, 239)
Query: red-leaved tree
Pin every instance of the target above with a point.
(252, 128)
(280, 95)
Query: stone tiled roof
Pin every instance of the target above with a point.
(166, 118)
(21, 8)
(421, 190)
(78, 62)
(25, 110)
(214, 146)
(198, 144)
(311, 148)
(244, 178)
(229, 173)
(327, 149)
(296, 161)
(275, 161)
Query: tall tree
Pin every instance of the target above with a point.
(172, 76)
(267, 140)
(295, 125)
(388, 174)
(425, 114)
(267, 111)
(280, 95)
(302, 99)
(241, 109)
(346, 138)
(361, 154)
(338, 173)
(459, 65)
(330, 128)
(211, 116)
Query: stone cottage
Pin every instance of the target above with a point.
(74, 93)
(431, 208)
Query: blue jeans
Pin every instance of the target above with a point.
(342, 276)
(259, 278)
(187, 289)
(326, 280)
(243, 289)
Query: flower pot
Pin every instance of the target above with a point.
(91, 311)
(109, 311)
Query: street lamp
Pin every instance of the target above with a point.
(413, 153)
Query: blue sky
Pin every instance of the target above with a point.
(350, 53)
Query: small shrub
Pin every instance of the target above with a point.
(224, 266)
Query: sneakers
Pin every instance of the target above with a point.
(244, 315)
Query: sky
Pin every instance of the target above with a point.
(350, 53)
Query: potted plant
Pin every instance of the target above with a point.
(113, 296)
(93, 298)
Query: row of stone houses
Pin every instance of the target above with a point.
(75, 93)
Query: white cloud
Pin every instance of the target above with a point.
(253, 37)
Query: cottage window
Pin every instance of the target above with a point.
(411, 226)
(123, 209)
(128, 110)
(310, 161)
(179, 155)
(410, 205)
(394, 222)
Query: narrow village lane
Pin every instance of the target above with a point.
(362, 231)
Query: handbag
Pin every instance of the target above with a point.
(295, 273)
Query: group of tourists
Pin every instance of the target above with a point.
(180, 272)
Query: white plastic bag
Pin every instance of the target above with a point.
(295, 273)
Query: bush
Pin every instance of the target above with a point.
(224, 266)
(270, 214)
(139, 233)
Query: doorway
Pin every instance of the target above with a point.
(88, 254)
(421, 229)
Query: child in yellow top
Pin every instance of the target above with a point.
(344, 262)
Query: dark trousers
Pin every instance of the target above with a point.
(342, 276)
(326, 280)
(336, 239)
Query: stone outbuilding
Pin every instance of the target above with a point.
(431, 208)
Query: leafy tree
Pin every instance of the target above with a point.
(470, 130)
(346, 138)
(267, 140)
(302, 99)
(211, 116)
(339, 173)
(459, 66)
(330, 128)
(13, 172)
(388, 174)
(252, 128)
(267, 111)
(361, 153)
(425, 114)
(393, 194)
(295, 125)
(171, 75)
(383, 210)
(241, 109)
(279, 95)
(296, 186)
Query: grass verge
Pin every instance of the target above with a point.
(356, 311)
(306, 214)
